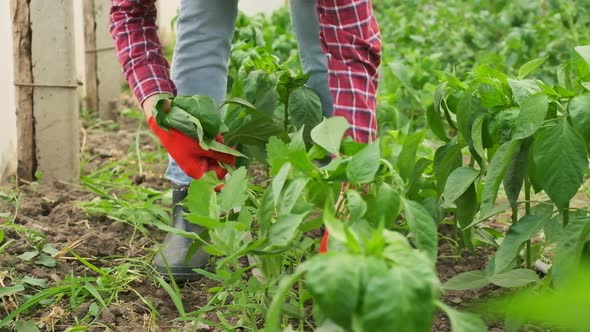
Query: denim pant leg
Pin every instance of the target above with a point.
(201, 54)
(307, 29)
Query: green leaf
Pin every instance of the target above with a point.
(201, 198)
(516, 172)
(561, 160)
(500, 126)
(328, 134)
(42, 283)
(291, 194)
(26, 326)
(435, 122)
(92, 290)
(569, 249)
(248, 125)
(238, 101)
(365, 164)
(514, 278)
(530, 66)
(522, 89)
(176, 299)
(5, 291)
(467, 207)
(463, 321)
(446, 159)
(207, 222)
(235, 191)
(553, 229)
(284, 230)
(279, 182)
(496, 171)
(277, 154)
(27, 256)
(220, 147)
(260, 90)
(158, 111)
(477, 134)
(388, 203)
(298, 154)
(467, 281)
(407, 157)
(333, 280)
(531, 116)
(46, 260)
(414, 307)
(584, 52)
(305, 109)
(491, 95)
(416, 180)
(422, 227)
(49, 249)
(356, 205)
(458, 182)
(465, 110)
(579, 111)
(273, 317)
(524, 230)
(333, 224)
(206, 110)
(184, 122)
(256, 129)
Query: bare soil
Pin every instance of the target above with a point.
(52, 211)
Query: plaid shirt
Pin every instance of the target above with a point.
(349, 35)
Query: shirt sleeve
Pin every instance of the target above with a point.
(134, 30)
(350, 36)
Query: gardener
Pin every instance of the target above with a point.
(340, 48)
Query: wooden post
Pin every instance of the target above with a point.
(103, 73)
(23, 72)
(90, 57)
(52, 130)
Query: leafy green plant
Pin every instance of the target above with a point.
(528, 136)
(272, 224)
(422, 39)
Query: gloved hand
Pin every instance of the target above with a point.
(189, 155)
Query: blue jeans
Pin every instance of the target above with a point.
(201, 55)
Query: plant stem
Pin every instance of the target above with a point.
(527, 211)
(287, 115)
(514, 213)
(459, 236)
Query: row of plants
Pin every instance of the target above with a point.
(380, 201)
(423, 38)
(470, 129)
(525, 135)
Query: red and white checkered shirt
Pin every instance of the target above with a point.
(348, 31)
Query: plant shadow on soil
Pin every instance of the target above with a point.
(105, 242)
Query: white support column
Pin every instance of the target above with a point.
(8, 159)
(55, 98)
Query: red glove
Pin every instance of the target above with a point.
(324, 243)
(189, 155)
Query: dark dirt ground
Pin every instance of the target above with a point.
(53, 212)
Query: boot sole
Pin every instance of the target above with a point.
(180, 274)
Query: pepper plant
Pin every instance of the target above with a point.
(528, 136)
(372, 277)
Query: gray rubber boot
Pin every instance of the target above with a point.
(175, 247)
